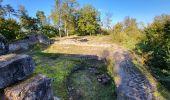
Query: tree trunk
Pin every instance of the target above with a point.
(67, 33)
(65, 27)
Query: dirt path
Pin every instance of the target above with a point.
(132, 84)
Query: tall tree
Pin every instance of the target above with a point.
(7, 11)
(69, 15)
(88, 20)
(157, 42)
(10, 11)
(28, 23)
(131, 27)
(57, 14)
(41, 18)
(108, 20)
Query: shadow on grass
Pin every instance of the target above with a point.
(58, 67)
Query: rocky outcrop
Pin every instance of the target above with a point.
(28, 41)
(34, 88)
(3, 45)
(14, 68)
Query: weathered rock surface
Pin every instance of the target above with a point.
(35, 88)
(131, 83)
(28, 41)
(14, 68)
(4, 47)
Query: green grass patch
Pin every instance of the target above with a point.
(86, 87)
(59, 66)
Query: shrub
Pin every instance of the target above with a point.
(10, 29)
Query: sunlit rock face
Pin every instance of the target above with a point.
(14, 68)
(4, 47)
(28, 41)
(34, 88)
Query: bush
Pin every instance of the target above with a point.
(157, 43)
(10, 29)
(49, 31)
(127, 33)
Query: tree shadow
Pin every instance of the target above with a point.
(91, 61)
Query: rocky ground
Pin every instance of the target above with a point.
(132, 84)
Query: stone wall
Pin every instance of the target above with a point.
(29, 40)
(17, 81)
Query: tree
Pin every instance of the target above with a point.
(10, 11)
(157, 42)
(118, 33)
(88, 21)
(69, 15)
(118, 28)
(7, 10)
(131, 26)
(10, 29)
(28, 23)
(48, 30)
(64, 15)
(57, 15)
(108, 20)
(41, 18)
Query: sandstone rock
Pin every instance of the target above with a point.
(4, 48)
(35, 88)
(14, 68)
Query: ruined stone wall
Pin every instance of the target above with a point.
(27, 41)
(17, 81)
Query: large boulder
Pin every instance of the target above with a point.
(34, 88)
(28, 41)
(14, 68)
(4, 47)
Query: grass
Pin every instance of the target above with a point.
(88, 88)
(58, 67)
(58, 60)
(162, 92)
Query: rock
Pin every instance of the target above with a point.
(34, 88)
(43, 39)
(57, 98)
(4, 47)
(14, 68)
(104, 78)
(28, 41)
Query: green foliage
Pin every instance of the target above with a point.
(64, 16)
(10, 29)
(6, 11)
(41, 18)
(88, 21)
(127, 33)
(49, 30)
(157, 42)
(28, 23)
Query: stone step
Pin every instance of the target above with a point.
(34, 88)
(14, 68)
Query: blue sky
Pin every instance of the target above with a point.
(142, 10)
